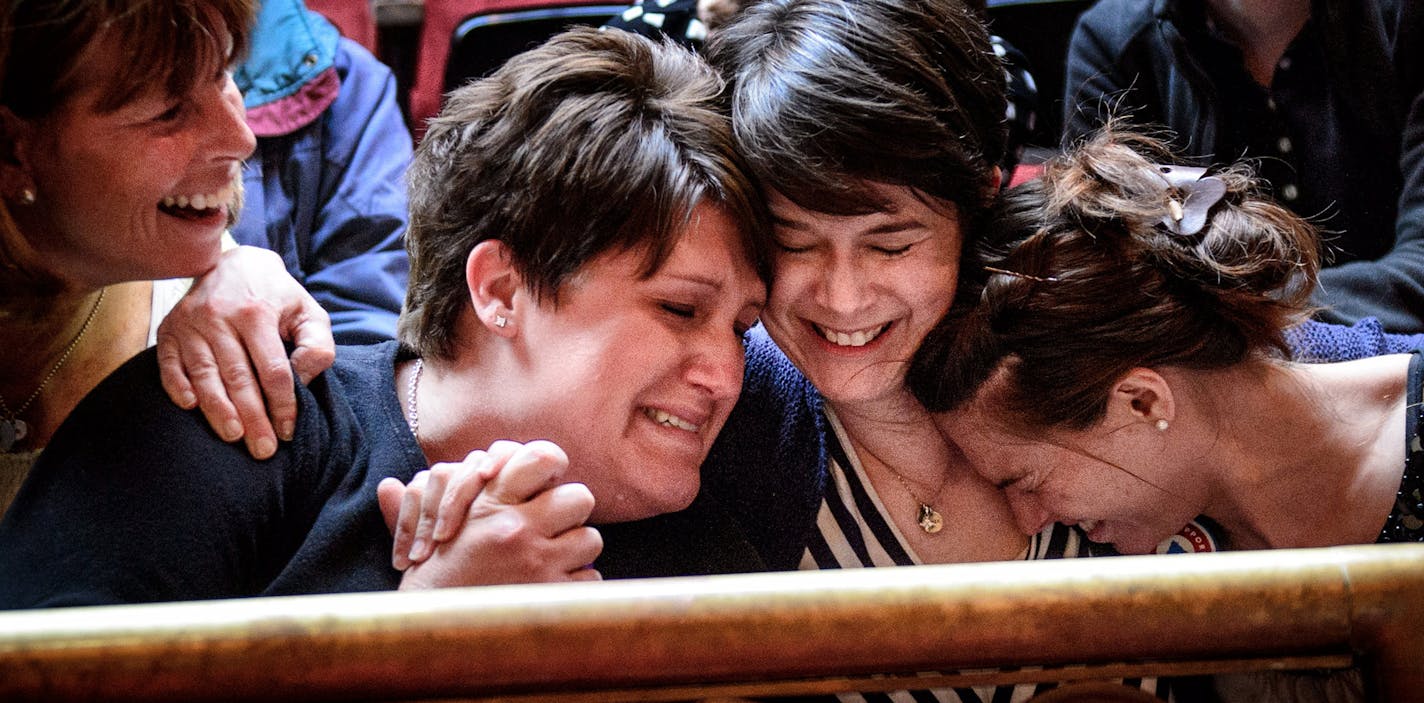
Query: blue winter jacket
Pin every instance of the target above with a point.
(326, 187)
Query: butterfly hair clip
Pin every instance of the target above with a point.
(1194, 195)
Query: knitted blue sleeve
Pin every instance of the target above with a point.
(768, 463)
(1324, 342)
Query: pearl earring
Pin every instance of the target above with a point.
(500, 321)
(27, 196)
(1162, 425)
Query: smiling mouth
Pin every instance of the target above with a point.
(197, 206)
(857, 338)
(667, 419)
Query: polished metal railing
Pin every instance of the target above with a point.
(752, 635)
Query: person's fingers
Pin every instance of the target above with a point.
(388, 496)
(171, 372)
(211, 392)
(529, 470)
(576, 549)
(314, 350)
(468, 479)
(586, 573)
(242, 389)
(404, 533)
(436, 478)
(274, 373)
(559, 509)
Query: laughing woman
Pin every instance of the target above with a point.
(121, 140)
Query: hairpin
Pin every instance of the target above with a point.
(1203, 192)
(1016, 274)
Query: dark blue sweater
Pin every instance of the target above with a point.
(137, 500)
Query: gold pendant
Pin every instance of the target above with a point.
(930, 520)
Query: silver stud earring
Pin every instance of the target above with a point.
(500, 321)
(1162, 425)
(27, 196)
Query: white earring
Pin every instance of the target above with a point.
(1162, 425)
(500, 321)
(27, 196)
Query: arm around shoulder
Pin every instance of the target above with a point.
(135, 500)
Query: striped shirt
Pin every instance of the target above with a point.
(854, 531)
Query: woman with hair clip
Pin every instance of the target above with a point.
(1126, 366)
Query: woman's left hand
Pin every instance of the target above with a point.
(221, 348)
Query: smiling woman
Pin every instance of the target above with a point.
(121, 139)
(146, 139)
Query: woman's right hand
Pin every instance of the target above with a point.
(502, 515)
(220, 349)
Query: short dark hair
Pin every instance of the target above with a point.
(1086, 282)
(173, 43)
(829, 94)
(593, 142)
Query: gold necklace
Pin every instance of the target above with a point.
(927, 517)
(12, 428)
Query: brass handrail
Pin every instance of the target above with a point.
(663, 639)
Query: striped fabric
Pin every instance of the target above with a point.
(853, 531)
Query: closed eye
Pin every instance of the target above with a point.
(680, 310)
(892, 251)
(170, 114)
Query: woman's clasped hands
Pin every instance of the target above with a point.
(501, 515)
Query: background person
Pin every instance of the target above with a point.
(542, 306)
(325, 185)
(1328, 95)
(324, 190)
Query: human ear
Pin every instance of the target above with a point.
(16, 133)
(493, 282)
(1143, 395)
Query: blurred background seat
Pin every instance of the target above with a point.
(482, 43)
(441, 19)
(354, 18)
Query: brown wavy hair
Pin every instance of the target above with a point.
(1097, 285)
